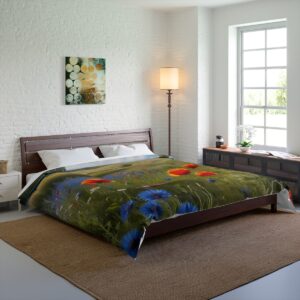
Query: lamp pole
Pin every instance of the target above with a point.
(169, 93)
(169, 81)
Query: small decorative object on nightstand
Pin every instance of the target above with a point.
(245, 137)
(245, 146)
(219, 141)
(10, 186)
(3, 166)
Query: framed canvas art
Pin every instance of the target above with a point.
(85, 80)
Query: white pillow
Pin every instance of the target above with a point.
(122, 150)
(64, 157)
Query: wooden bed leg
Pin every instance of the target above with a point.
(274, 207)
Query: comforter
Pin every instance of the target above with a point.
(119, 201)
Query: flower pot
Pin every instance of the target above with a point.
(245, 149)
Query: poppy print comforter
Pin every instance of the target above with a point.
(119, 201)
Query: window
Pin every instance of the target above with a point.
(263, 83)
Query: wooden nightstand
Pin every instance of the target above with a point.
(10, 186)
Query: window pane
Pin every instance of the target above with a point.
(254, 40)
(276, 58)
(276, 38)
(277, 98)
(253, 116)
(253, 59)
(276, 137)
(276, 118)
(254, 78)
(276, 78)
(258, 138)
(254, 97)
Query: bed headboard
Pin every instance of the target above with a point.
(31, 162)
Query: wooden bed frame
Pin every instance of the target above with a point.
(31, 163)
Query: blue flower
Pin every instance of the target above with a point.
(108, 177)
(125, 209)
(130, 242)
(211, 180)
(186, 207)
(152, 210)
(150, 195)
(63, 188)
(246, 192)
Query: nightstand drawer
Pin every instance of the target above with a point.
(8, 195)
(9, 182)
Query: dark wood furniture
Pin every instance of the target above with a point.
(32, 163)
(193, 219)
(286, 170)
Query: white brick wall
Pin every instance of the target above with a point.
(35, 37)
(190, 47)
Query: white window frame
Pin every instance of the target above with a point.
(240, 65)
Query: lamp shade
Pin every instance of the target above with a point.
(169, 78)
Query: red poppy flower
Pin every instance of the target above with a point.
(95, 181)
(178, 172)
(205, 173)
(191, 166)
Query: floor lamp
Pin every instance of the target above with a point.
(169, 80)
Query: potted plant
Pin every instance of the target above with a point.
(245, 145)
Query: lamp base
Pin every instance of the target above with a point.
(166, 156)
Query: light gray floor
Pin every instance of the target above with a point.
(280, 285)
(21, 278)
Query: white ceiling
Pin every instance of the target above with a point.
(179, 3)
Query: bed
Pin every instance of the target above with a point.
(31, 163)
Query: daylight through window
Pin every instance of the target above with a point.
(263, 82)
